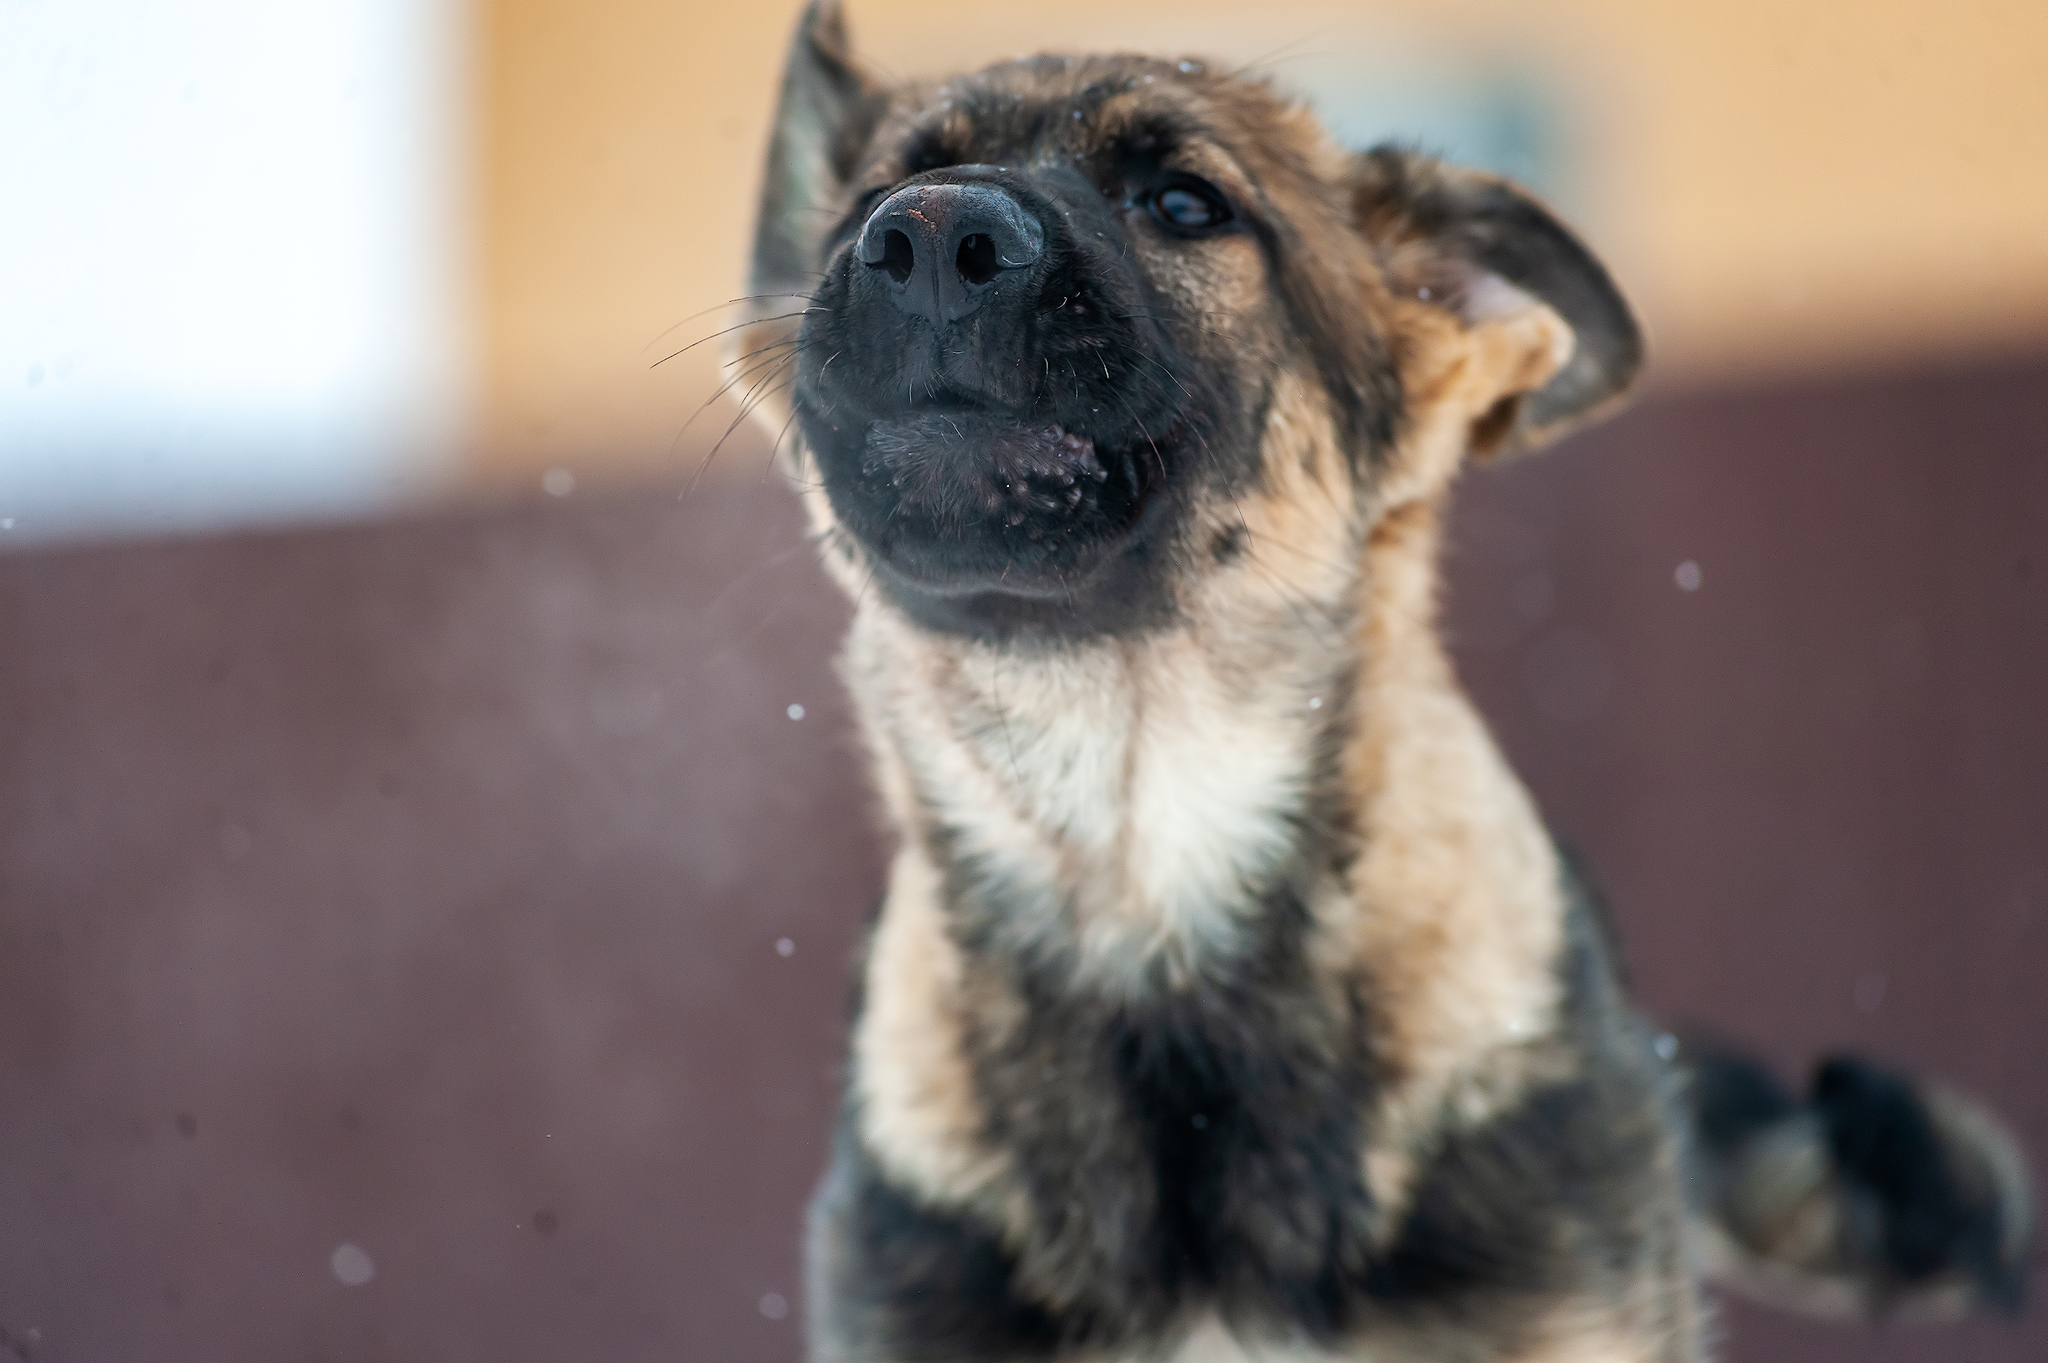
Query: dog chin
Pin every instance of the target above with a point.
(955, 503)
(984, 525)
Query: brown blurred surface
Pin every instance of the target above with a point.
(396, 886)
(1816, 787)
(420, 887)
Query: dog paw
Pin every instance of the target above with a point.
(1877, 1195)
(1935, 1194)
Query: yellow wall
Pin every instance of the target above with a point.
(1780, 186)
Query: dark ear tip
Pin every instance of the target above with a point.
(824, 45)
(824, 24)
(824, 117)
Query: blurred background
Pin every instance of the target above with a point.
(431, 841)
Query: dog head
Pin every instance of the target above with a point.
(1068, 337)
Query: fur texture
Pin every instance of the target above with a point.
(1229, 999)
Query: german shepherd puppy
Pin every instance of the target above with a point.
(1229, 999)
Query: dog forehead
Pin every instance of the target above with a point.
(1093, 110)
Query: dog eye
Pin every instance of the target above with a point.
(1189, 206)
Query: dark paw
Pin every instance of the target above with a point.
(1933, 1187)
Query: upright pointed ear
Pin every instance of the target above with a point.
(828, 111)
(1484, 248)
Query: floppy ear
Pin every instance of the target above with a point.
(828, 111)
(1485, 249)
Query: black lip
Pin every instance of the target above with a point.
(1069, 583)
(1089, 596)
(959, 502)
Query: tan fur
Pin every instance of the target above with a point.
(1198, 819)
(1210, 1342)
(1147, 775)
(1132, 792)
(1578, 1334)
(1604, 1345)
(917, 1103)
(1456, 901)
(1084, 759)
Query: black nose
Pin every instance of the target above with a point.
(943, 245)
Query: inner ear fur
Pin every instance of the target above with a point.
(1479, 246)
(823, 122)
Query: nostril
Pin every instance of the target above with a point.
(899, 257)
(978, 261)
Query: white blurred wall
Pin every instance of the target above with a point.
(230, 260)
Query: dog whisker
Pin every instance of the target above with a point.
(738, 326)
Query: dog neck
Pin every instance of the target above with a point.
(1138, 811)
(1118, 805)
(1130, 809)
(1142, 814)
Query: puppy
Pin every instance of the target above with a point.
(1229, 999)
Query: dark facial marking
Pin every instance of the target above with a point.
(1009, 415)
